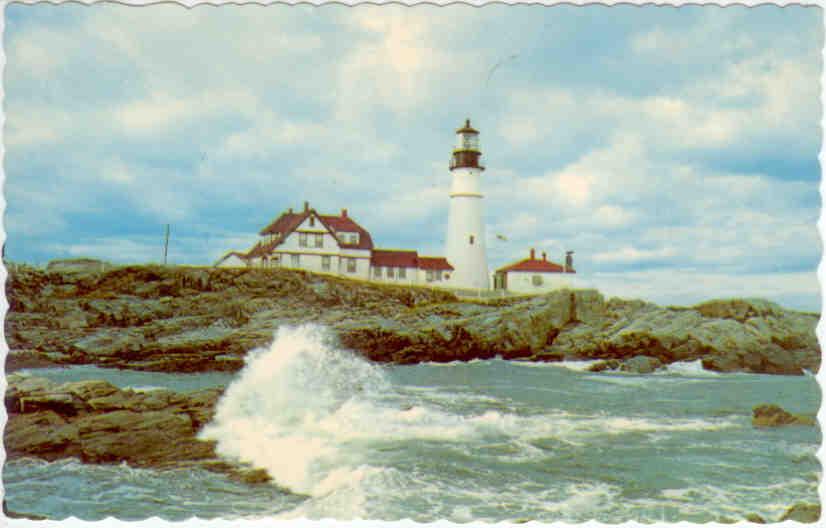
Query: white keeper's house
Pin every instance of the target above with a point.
(338, 245)
(534, 275)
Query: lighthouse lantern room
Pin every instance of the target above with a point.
(465, 248)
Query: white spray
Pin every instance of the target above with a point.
(284, 412)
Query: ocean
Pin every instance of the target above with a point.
(489, 441)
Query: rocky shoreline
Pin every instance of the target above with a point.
(98, 423)
(187, 319)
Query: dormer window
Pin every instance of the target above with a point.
(354, 238)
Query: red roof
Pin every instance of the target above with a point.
(261, 249)
(289, 222)
(434, 263)
(348, 225)
(395, 258)
(536, 265)
(286, 223)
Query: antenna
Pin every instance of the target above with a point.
(166, 244)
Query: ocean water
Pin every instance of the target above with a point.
(481, 441)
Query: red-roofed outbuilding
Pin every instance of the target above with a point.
(534, 275)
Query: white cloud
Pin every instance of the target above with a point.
(198, 117)
(37, 53)
(162, 111)
(184, 248)
(629, 254)
(687, 287)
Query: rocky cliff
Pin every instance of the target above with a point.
(198, 319)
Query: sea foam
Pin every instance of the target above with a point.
(319, 420)
(289, 409)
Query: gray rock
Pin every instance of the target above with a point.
(770, 415)
(180, 319)
(640, 365)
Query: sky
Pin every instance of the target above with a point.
(674, 150)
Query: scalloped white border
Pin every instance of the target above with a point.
(329, 523)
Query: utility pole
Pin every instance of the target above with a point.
(166, 245)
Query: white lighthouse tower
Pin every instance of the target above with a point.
(465, 249)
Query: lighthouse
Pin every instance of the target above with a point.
(465, 247)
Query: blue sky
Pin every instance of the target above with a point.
(675, 150)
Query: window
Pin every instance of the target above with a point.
(295, 260)
(536, 280)
(429, 275)
(437, 275)
(302, 240)
(402, 273)
(471, 240)
(354, 238)
(351, 265)
(319, 240)
(312, 221)
(377, 272)
(390, 273)
(325, 262)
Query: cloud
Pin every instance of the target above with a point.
(653, 143)
(688, 287)
(628, 254)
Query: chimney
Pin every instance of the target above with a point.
(569, 261)
(290, 210)
(544, 256)
(306, 206)
(344, 213)
(533, 253)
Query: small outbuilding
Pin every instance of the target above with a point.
(232, 259)
(533, 275)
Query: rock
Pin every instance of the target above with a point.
(44, 434)
(180, 319)
(111, 343)
(754, 518)
(611, 364)
(78, 265)
(86, 390)
(62, 403)
(802, 512)
(154, 438)
(769, 415)
(640, 365)
(152, 429)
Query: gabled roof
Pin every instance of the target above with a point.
(228, 254)
(286, 223)
(346, 224)
(395, 258)
(263, 248)
(434, 263)
(289, 222)
(535, 265)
